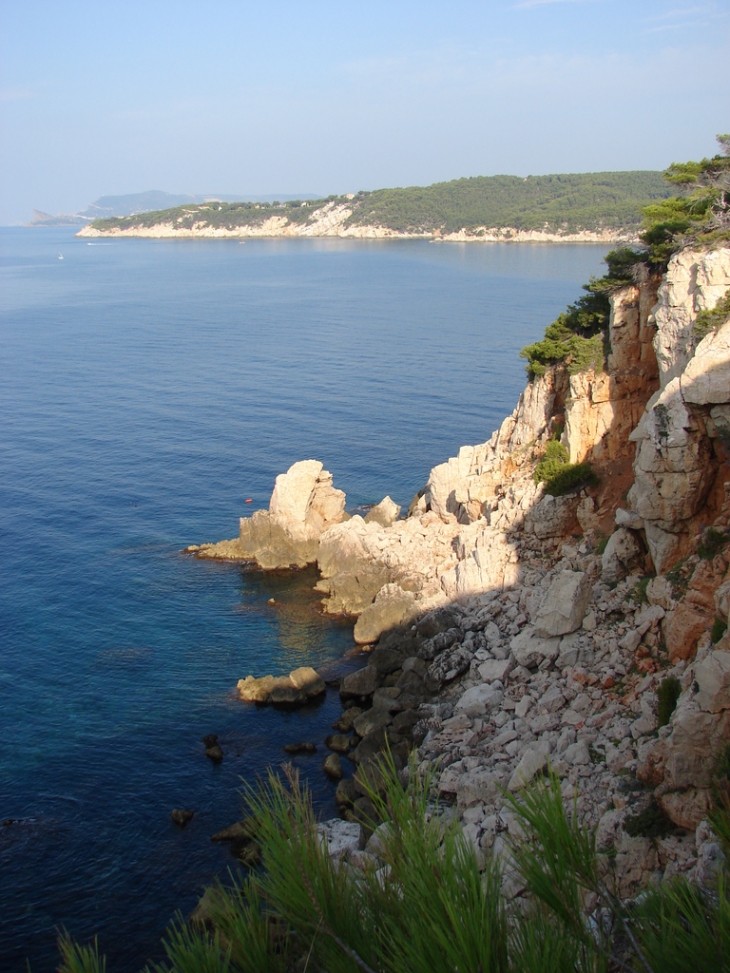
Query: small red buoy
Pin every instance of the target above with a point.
(249, 500)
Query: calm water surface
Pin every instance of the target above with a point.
(148, 389)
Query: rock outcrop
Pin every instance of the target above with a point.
(299, 687)
(303, 506)
(682, 438)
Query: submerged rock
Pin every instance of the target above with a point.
(181, 816)
(304, 747)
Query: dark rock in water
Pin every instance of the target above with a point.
(372, 720)
(300, 748)
(239, 831)
(363, 682)
(214, 753)
(211, 901)
(333, 767)
(338, 742)
(248, 853)
(369, 747)
(344, 724)
(210, 740)
(181, 816)
(296, 689)
(346, 793)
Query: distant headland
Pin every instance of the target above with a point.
(600, 207)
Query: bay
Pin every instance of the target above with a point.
(149, 388)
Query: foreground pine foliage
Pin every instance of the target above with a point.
(429, 908)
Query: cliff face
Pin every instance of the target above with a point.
(681, 442)
(507, 638)
(654, 425)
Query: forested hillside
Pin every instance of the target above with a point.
(556, 203)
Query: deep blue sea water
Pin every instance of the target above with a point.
(148, 388)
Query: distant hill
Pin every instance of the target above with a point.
(154, 199)
(584, 201)
(607, 204)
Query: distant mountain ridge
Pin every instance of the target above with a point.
(109, 207)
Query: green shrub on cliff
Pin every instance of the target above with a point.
(577, 337)
(570, 477)
(668, 695)
(700, 216)
(554, 459)
(708, 321)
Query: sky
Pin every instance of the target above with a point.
(238, 97)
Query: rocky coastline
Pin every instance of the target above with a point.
(331, 220)
(509, 631)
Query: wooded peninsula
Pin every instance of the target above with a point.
(483, 207)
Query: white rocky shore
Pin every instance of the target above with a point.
(330, 220)
(514, 631)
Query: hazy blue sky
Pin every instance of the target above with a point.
(203, 96)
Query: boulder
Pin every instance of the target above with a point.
(181, 816)
(384, 513)
(307, 681)
(300, 686)
(564, 606)
(530, 650)
(533, 761)
(683, 628)
(685, 808)
(332, 766)
(344, 723)
(304, 747)
(628, 518)
(339, 742)
(339, 837)
(362, 682)
(346, 793)
(659, 592)
(494, 669)
(371, 721)
(552, 516)
(238, 831)
(479, 700)
(387, 699)
(621, 551)
(392, 607)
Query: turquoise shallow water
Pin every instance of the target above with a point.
(148, 389)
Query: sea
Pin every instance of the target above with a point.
(149, 390)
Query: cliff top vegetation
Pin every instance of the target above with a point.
(699, 215)
(556, 203)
